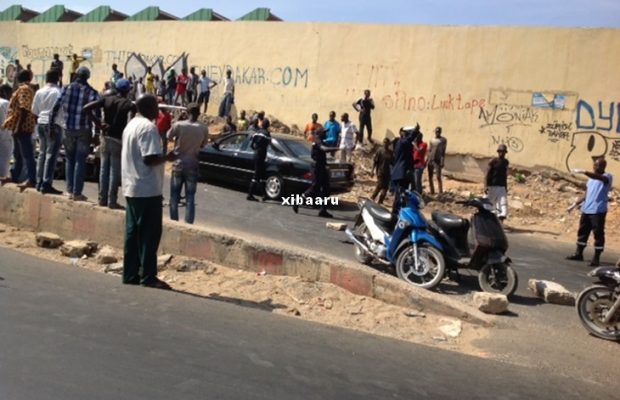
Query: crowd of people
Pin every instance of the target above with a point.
(132, 124)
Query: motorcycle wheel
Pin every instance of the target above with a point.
(432, 266)
(361, 255)
(498, 278)
(592, 305)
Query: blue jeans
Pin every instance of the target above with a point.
(48, 155)
(190, 180)
(77, 147)
(23, 151)
(226, 105)
(110, 172)
(418, 173)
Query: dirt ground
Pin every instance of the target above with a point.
(537, 200)
(290, 296)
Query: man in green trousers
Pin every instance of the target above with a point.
(142, 165)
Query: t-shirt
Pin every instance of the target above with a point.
(141, 139)
(437, 150)
(242, 124)
(205, 84)
(189, 138)
(58, 66)
(229, 86)
(333, 133)
(150, 83)
(192, 85)
(419, 155)
(116, 111)
(383, 161)
(597, 195)
(349, 131)
(43, 103)
(498, 172)
(309, 130)
(365, 106)
(164, 122)
(182, 81)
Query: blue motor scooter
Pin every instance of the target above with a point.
(403, 241)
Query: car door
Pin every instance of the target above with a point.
(226, 157)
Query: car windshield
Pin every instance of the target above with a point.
(297, 147)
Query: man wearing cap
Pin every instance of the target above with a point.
(116, 110)
(496, 182)
(78, 133)
(593, 211)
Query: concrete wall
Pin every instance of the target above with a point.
(551, 95)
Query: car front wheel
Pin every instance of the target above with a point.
(274, 187)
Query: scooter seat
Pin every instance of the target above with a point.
(449, 221)
(379, 212)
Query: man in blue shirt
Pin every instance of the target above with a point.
(332, 128)
(593, 211)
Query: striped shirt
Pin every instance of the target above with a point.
(72, 100)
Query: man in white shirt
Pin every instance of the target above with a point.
(229, 95)
(349, 138)
(49, 139)
(206, 84)
(6, 136)
(142, 164)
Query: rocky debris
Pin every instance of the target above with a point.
(78, 248)
(163, 260)
(415, 314)
(107, 255)
(48, 240)
(116, 268)
(190, 265)
(491, 303)
(336, 226)
(440, 338)
(552, 292)
(451, 327)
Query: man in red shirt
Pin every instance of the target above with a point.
(420, 149)
(164, 122)
(182, 81)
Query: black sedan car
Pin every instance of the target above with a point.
(289, 165)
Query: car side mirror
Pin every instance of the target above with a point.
(216, 146)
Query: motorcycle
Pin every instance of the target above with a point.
(479, 244)
(403, 241)
(598, 306)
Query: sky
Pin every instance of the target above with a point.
(560, 13)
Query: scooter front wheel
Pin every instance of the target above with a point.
(498, 278)
(361, 255)
(429, 270)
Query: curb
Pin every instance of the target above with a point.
(80, 220)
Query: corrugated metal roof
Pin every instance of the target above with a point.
(57, 13)
(205, 14)
(259, 14)
(17, 13)
(102, 14)
(151, 14)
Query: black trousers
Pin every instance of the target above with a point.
(258, 179)
(399, 186)
(383, 184)
(320, 185)
(592, 223)
(143, 228)
(365, 121)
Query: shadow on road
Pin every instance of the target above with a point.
(266, 305)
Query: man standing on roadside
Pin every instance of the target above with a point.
(419, 162)
(332, 128)
(206, 84)
(496, 182)
(142, 163)
(18, 69)
(403, 163)
(594, 205)
(49, 139)
(364, 106)
(312, 128)
(189, 137)
(229, 95)
(58, 66)
(260, 142)
(75, 65)
(150, 81)
(436, 159)
(350, 136)
(181, 89)
(192, 86)
(6, 136)
(116, 75)
(78, 133)
(381, 165)
(21, 122)
(116, 110)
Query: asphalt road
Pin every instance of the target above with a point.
(76, 334)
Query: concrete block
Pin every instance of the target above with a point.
(352, 279)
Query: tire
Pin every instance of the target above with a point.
(498, 278)
(274, 187)
(361, 255)
(432, 266)
(592, 303)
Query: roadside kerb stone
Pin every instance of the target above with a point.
(227, 248)
(48, 240)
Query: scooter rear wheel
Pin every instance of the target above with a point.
(498, 278)
(431, 267)
(592, 305)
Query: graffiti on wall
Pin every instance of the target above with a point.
(136, 65)
(280, 76)
(400, 101)
(556, 131)
(513, 143)
(602, 117)
(507, 115)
